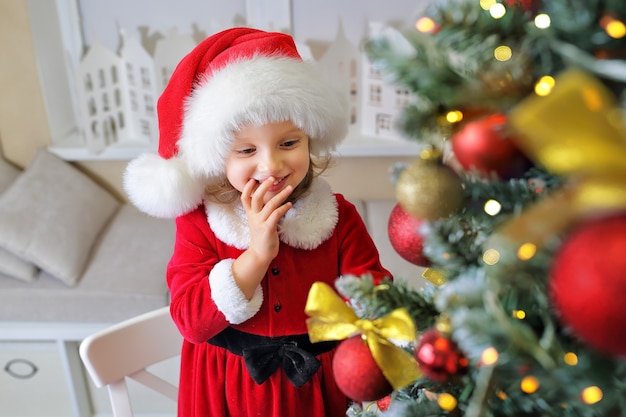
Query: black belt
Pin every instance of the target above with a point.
(263, 355)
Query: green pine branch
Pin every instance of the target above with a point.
(456, 243)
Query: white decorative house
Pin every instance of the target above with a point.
(340, 64)
(118, 95)
(382, 102)
(118, 92)
(168, 52)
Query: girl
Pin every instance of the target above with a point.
(246, 127)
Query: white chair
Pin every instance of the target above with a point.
(125, 350)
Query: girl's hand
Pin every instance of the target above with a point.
(250, 267)
(263, 217)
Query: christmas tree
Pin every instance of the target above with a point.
(516, 207)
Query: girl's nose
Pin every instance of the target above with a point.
(270, 163)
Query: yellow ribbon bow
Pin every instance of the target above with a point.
(331, 319)
(577, 131)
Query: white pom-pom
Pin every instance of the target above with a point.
(162, 187)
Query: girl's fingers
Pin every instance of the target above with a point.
(246, 194)
(253, 196)
(278, 200)
(258, 194)
(279, 213)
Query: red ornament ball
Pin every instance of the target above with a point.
(588, 283)
(439, 357)
(531, 6)
(383, 403)
(405, 238)
(486, 147)
(356, 372)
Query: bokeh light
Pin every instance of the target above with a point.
(613, 27)
(491, 257)
(492, 207)
(544, 86)
(425, 25)
(447, 401)
(616, 29)
(570, 358)
(489, 356)
(526, 251)
(454, 116)
(542, 21)
(486, 4)
(497, 10)
(519, 314)
(591, 395)
(502, 53)
(529, 384)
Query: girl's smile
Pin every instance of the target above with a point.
(276, 186)
(277, 151)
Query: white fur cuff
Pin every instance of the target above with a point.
(229, 298)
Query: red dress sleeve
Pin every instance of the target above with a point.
(194, 256)
(358, 254)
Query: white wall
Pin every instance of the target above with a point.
(313, 22)
(104, 18)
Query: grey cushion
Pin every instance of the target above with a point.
(125, 277)
(11, 264)
(8, 174)
(16, 267)
(51, 216)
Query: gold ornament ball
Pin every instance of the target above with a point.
(429, 190)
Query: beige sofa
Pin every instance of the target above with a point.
(69, 251)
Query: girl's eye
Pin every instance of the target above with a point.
(244, 151)
(290, 143)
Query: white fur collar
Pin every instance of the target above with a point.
(306, 225)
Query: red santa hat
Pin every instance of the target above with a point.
(232, 78)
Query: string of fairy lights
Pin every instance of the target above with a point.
(528, 384)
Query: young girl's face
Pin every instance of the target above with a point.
(277, 150)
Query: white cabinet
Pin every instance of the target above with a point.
(32, 381)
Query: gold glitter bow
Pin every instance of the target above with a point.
(578, 132)
(331, 319)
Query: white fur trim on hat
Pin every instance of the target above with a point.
(161, 187)
(258, 90)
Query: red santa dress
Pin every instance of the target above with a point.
(322, 238)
